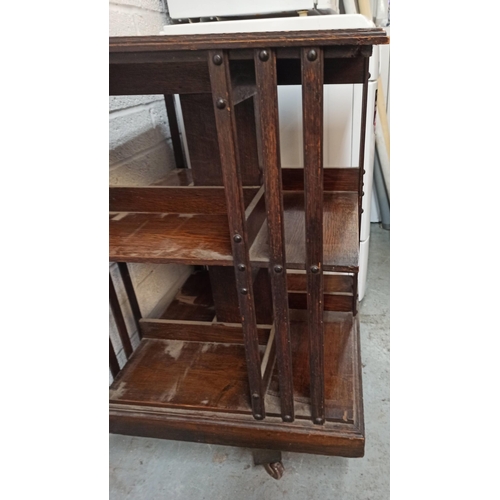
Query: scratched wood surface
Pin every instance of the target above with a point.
(195, 375)
(340, 233)
(340, 368)
(163, 238)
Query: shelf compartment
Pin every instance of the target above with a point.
(343, 399)
(148, 234)
(163, 387)
(340, 233)
(190, 375)
(184, 374)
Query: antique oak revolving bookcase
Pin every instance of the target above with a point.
(266, 352)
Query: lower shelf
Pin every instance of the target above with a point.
(198, 391)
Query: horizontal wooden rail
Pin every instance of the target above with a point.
(334, 179)
(198, 331)
(332, 283)
(165, 199)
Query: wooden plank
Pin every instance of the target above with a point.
(332, 283)
(198, 331)
(336, 71)
(176, 177)
(120, 322)
(334, 179)
(343, 303)
(224, 291)
(166, 199)
(312, 113)
(179, 374)
(138, 44)
(201, 138)
(175, 135)
(163, 238)
(263, 295)
(114, 367)
(158, 78)
(132, 297)
(340, 233)
(247, 143)
(331, 52)
(268, 128)
(220, 79)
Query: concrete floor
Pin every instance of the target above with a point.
(150, 469)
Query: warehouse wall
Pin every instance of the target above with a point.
(140, 152)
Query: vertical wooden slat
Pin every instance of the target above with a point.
(120, 322)
(362, 139)
(174, 131)
(268, 129)
(132, 298)
(114, 367)
(312, 109)
(220, 80)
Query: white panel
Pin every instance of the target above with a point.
(326, 22)
(369, 162)
(363, 267)
(290, 117)
(179, 9)
(337, 127)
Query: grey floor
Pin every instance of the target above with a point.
(150, 469)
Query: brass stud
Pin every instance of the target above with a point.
(315, 269)
(244, 291)
(217, 59)
(241, 267)
(278, 269)
(237, 238)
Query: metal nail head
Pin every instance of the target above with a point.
(237, 238)
(217, 59)
(263, 55)
(312, 55)
(221, 103)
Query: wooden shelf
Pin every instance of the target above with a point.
(173, 380)
(195, 375)
(143, 227)
(162, 238)
(340, 233)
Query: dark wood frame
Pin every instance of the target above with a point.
(239, 202)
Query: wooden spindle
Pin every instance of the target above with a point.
(312, 110)
(220, 79)
(268, 130)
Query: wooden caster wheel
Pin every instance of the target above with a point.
(275, 470)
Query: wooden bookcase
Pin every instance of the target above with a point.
(266, 353)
